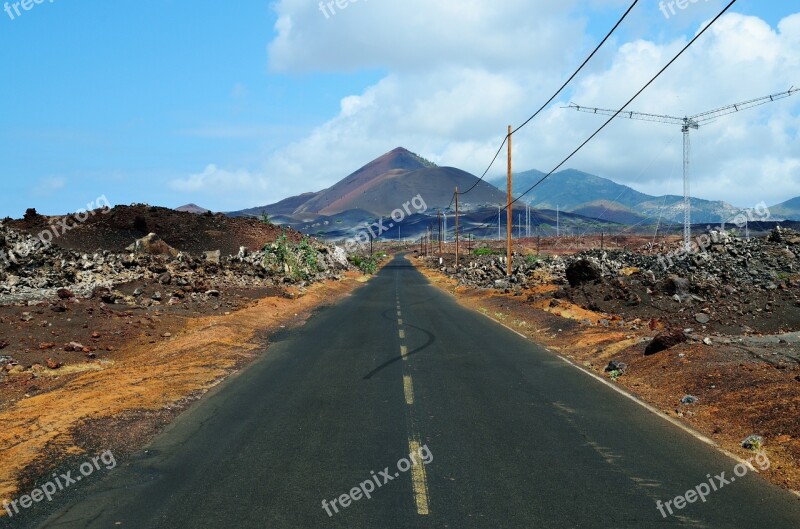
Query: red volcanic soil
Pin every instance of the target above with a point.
(116, 229)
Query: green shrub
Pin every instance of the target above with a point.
(368, 265)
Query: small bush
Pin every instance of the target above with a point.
(368, 265)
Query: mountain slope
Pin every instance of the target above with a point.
(570, 189)
(192, 208)
(384, 185)
(789, 210)
(587, 194)
(286, 207)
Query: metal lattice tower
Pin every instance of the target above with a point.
(688, 123)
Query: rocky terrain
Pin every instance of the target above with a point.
(33, 271)
(734, 286)
(63, 310)
(115, 229)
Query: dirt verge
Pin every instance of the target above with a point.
(739, 391)
(119, 403)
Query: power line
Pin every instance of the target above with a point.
(631, 100)
(580, 68)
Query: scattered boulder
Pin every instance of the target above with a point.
(702, 318)
(674, 285)
(689, 400)
(582, 271)
(665, 340)
(616, 365)
(75, 346)
(54, 364)
(152, 244)
(63, 293)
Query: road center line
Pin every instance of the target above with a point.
(402, 334)
(404, 351)
(408, 389)
(419, 480)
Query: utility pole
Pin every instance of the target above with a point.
(558, 222)
(527, 220)
(456, 228)
(439, 222)
(510, 213)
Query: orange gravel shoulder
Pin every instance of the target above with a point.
(739, 394)
(119, 404)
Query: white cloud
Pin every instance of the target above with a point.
(454, 82)
(213, 180)
(48, 186)
(415, 35)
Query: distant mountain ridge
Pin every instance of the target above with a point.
(386, 183)
(594, 196)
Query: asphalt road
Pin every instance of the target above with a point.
(506, 435)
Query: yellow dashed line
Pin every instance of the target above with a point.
(408, 389)
(419, 480)
(404, 351)
(399, 322)
(402, 334)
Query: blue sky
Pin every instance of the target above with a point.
(240, 104)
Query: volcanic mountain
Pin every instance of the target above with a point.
(383, 185)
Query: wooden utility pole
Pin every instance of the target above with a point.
(509, 212)
(430, 240)
(456, 228)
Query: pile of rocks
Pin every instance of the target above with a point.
(490, 271)
(34, 272)
(764, 263)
